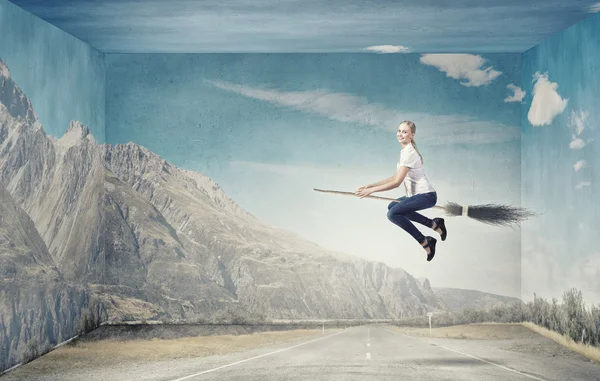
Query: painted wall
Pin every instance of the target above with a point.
(51, 126)
(270, 128)
(561, 163)
(207, 210)
(62, 76)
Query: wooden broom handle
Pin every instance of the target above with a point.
(369, 196)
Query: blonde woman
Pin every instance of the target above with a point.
(419, 192)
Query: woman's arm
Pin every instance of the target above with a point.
(393, 182)
(384, 181)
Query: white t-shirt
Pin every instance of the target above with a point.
(415, 181)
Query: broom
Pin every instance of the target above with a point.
(492, 214)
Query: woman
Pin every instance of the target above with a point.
(419, 193)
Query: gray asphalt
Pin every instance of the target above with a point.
(376, 352)
(380, 353)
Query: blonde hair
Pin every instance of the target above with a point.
(413, 129)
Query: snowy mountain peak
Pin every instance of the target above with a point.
(11, 96)
(78, 128)
(4, 72)
(75, 133)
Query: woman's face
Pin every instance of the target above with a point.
(404, 134)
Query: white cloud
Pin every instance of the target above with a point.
(517, 96)
(349, 108)
(580, 164)
(583, 184)
(577, 144)
(546, 103)
(594, 8)
(462, 66)
(577, 122)
(388, 49)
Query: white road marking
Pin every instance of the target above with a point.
(491, 363)
(476, 358)
(368, 344)
(255, 357)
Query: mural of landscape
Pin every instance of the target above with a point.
(179, 188)
(149, 240)
(560, 127)
(51, 177)
(269, 129)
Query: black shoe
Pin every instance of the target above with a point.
(439, 223)
(431, 242)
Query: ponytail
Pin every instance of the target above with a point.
(415, 145)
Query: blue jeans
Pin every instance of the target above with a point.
(403, 212)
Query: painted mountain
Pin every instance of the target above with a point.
(38, 307)
(153, 241)
(457, 300)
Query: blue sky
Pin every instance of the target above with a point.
(436, 26)
(270, 128)
(292, 99)
(62, 76)
(561, 162)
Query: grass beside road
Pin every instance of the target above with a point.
(593, 353)
(486, 331)
(112, 352)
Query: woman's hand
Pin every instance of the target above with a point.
(363, 191)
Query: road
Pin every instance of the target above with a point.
(375, 352)
(383, 353)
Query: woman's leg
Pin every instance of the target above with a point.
(401, 213)
(437, 224)
(417, 217)
(414, 216)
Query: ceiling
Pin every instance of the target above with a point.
(307, 26)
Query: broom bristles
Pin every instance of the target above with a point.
(492, 214)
